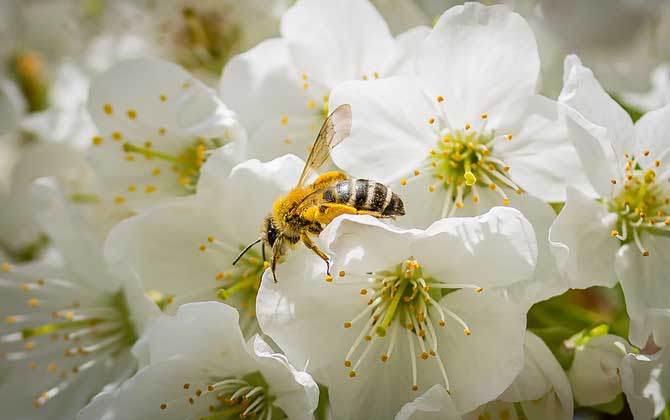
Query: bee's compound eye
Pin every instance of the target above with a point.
(270, 231)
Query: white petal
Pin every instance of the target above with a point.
(297, 393)
(433, 404)
(364, 244)
(480, 59)
(263, 86)
(582, 244)
(582, 92)
(652, 132)
(594, 374)
(646, 282)
(335, 42)
(646, 382)
(452, 249)
(390, 134)
(493, 351)
(409, 41)
(542, 159)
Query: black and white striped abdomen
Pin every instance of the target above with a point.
(364, 194)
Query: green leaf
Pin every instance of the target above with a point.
(613, 407)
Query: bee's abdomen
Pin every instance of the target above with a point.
(364, 194)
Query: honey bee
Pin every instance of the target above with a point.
(308, 208)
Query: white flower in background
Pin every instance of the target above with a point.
(541, 391)
(201, 368)
(157, 125)
(280, 88)
(623, 41)
(68, 323)
(623, 234)
(594, 373)
(202, 35)
(659, 94)
(645, 380)
(466, 134)
(407, 310)
(184, 249)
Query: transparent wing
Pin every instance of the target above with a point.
(335, 129)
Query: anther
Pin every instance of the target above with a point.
(107, 108)
(347, 363)
(403, 182)
(5, 267)
(163, 98)
(132, 114)
(352, 374)
(415, 387)
(341, 273)
(467, 126)
(96, 140)
(163, 406)
(329, 278)
(614, 232)
(440, 99)
(485, 116)
(466, 331)
(417, 172)
(347, 325)
(645, 253)
(431, 120)
(508, 137)
(384, 357)
(646, 152)
(284, 120)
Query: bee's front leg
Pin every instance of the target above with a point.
(311, 245)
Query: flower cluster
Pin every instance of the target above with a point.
(493, 210)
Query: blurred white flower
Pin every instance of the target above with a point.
(656, 97)
(541, 391)
(69, 323)
(407, 310)
(197, 238)
(645, 380)
(200, 367)
(280, 87)
(157, 126)
(594, 373)
(622, 235)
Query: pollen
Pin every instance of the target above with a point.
(163, 98)
(440, 99)
(5, 267)
(131, 113)
(431, 188)
(107, 109)
(484, 116)
(149, 189)
(341, 273)
(329, 278)
(403, 182)
(284, 120)
(508, 137)
(431, 120)
(119, 199)
(311, 104)
(467, 331)
(384, 357)
(415, 387)
(96, 140)
(347, 324)
(132, 188)
(162, 131)
(156, 172)
(163, 406)
(467, 126)
(417, 172)
(117, 136)
(202, 248)
(352, 374)
(505, 201)
(347, 363)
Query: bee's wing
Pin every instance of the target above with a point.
(335, 129)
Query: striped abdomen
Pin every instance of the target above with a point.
(364, 194)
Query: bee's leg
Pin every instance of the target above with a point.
(328, 211)
(311, 245)
(328, 178)
(371, 213)
(278, 249)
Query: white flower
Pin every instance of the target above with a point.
(645, 380)
(68, 322)
(184, 249)
(541, 391)
(657, 96)
(622, 235)
(389, 317)
(202, 35)
(594, 373)
(157, 125)
(280, 87)
(201, 368)
(467, 133)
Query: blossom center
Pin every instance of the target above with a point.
(403, 299)
(641, 204)
(185, 164)
(232, 398)
(65, 330)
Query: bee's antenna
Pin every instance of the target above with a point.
(263, 251)
(244, 251)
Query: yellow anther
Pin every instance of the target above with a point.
(646, 152)
(479, 289)
(117, 136)
(384, 357)
(130, 158)
(347, 324)
(329, 278)
(156, 172)
(365, 77)
(132, 188)
(470, 178)
(614, 232)
(25, 287)
(415, 387)
(69, 315)
(32, 365)
(440, 99)
(162, 131)
(107, 109)
(347, 363)
(148, 144)
(446, 139)
(508, 137)
(459, 204)
(266, 265)
(492, 186)
(341, 273)
(431, 120)
(163, 406)
(375, 75)
(467, 126)
(202, 248)
(284, 120)
(305, 85)
(417, 172)
(29, 345)
(505, 168)
(352, 374)
(657, 163)
(131, 113)
(149, 189)
(211, 239)
(11, 319)
(424, 355)
(403, 182)
(220, 275)
(431, 188)
(645, 253)
(52, 367)
(432, 152)
(467, 332)
(484, 116)
(649, 176)
(475, 199)
(184, 180)
(304, 76)
(505, 201)
(364, 291)
(311, 104)
(5, 267)
(163, 98)
(96, 140)
(287, 140)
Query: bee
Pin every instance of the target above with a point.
(308, 208)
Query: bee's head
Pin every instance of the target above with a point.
(269, 231)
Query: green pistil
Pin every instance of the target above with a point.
(458, 157)
(119, 302)
(67, 325)
(246, 279)
(391, 311)
(131, 148)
